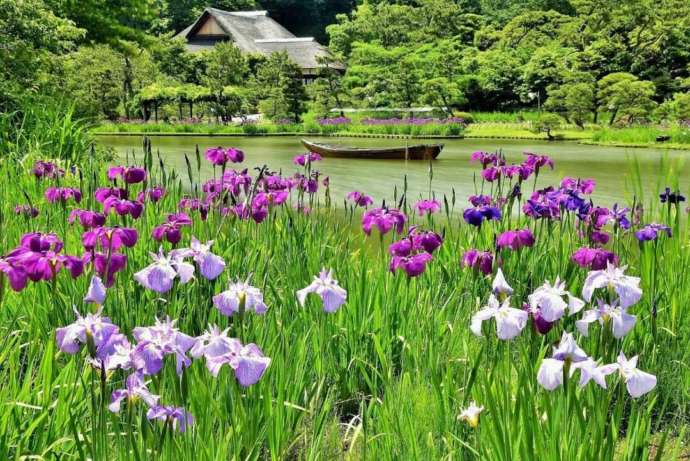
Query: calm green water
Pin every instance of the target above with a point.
(612, 168)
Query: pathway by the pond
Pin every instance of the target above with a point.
(615, 169)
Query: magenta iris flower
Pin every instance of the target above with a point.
(153, 195)
(538, 161)
(87, 218)
(593, 258)
(360, 199)
(309, 157)
(27, 211)
(39, 255)
(219, 156)
(171, 229)
(652, 231)
(427, 207)
(515, 239)
(384, 219)
(412, 253)
(109, 238)
(584, 186)
(480, 200)
(481, 261)
(267, 199)
(103, 193)
(14, 273)
(129, 174)
(62, 194)
(414, 265)
(194, 204)
(491, 174)
(123, 207)
(107, 265)
(50, 170)
(487, 159)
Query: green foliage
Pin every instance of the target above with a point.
(626, 97)
(279, 88)
(575, 101)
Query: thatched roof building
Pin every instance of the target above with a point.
(253, 32)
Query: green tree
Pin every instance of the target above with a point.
(327, 90)
(575, 101)
(279, 88)
(625, 96)
(226, 67)
(442, 93)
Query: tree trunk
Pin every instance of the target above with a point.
(191, 109)
(613, 117)
(155, 109)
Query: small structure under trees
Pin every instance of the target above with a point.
(254, 32)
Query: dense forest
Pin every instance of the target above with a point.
(627, 61)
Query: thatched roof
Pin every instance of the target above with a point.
(252, 32)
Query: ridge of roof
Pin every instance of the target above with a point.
(284, 40)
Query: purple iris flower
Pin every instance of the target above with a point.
(135, 389)
(481, 261)
(15, 274)
(413, 265)
(213, 345)
(360, 199)
(620, 216)
(308, 184)
(327, 288)
(384, 219)
(476, 216)
(427, 207)
(37, 241)
(43, 169)
(171, 229)
(123, 207)
(268, 199)
(87, 218)
(169, 339)
(159, 275)
(27, 211)
(210, 265)
(103, 193)
(178, 417)
(593, 258)
(309, 157)
(491, 174)
(487, 159)
(194, 204)
(153, 195)
(538, 161)
(129, 174)
(39, 256)
(480, 200)
(219, 156)
(428, 240)
(92, 330)
(600, 237)
(540, 324)
(515, 239)
(584, 186)
(62, 194)
(671, 197)
(240, 295)
(652, 231)
(106, 266)
(109, 238)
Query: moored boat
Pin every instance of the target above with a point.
(416, 152)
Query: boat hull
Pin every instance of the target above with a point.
(417, 152)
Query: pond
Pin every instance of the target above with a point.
(613, 168)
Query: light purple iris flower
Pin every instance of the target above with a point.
(550, 374)
(427, 207)
(548, 299)
(229, 301)
(210, 265)
(166, 337)
(621, 321)
(129, 174)
(96, 291)
(179, 418)
(248, 362)
(590, 370)
(500, 287)
(637, 381)
(625, 286)
(327, 288)
(159, 275)
(360, 199)
(92, 327)
(135, 389)
(509, 321)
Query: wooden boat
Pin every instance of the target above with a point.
(417, 152)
